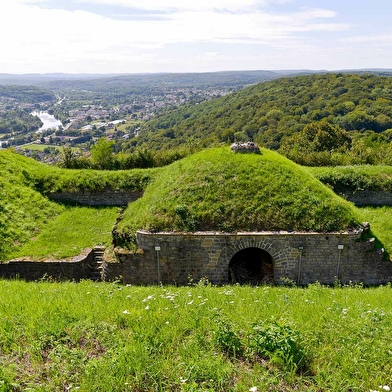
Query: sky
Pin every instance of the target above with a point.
(148, 36)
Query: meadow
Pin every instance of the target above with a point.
(109, 337)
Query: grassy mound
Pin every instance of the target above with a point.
(219, 190)
(32, 225)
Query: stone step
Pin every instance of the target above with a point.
(97, 272)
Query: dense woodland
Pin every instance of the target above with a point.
(325, 119)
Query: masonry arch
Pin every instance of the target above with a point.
(251, 266)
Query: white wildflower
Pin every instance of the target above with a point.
(253, 389)
(125, 311)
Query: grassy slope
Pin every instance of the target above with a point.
(219, 190)
(23, 211)
(69, 233)
(380, 219)
(32, 225)
(174, 339)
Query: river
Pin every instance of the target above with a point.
(48, 120)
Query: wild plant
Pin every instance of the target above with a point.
(228, 340)
(278, 343)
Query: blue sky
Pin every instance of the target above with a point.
(133, 36)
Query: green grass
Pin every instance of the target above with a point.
(23, 212)
(105, 337)
(32, 225)
(380, 219)
(355, 178)
(42, 147)
(75, 229)
(218, 190)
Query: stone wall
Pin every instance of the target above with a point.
(300, 257)
(366, 198)
(108, 197)
(77, 268)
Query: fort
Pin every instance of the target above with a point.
(251, 258)
(244, 216)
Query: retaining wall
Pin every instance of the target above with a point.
(107, 197)
(366, 198)
(77, 268)
(199, 255)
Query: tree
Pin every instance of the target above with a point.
(67, 158)
(102, 154)
(322, 136)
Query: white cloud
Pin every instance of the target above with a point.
(385, 39)
(44, 39)
(183, 5)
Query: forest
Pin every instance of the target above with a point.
(327, 119)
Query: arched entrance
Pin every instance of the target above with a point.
(251, 266)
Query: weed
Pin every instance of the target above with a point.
(227, 339)
(279, 343)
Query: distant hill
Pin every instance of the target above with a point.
(131, 83)
(28, 94)
(273, 111)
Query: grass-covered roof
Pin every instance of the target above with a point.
(219, 190)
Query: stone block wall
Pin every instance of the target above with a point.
(108, 197)
(77, 268)
(300, 257)
(366, 198)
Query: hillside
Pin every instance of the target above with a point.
(272, 112)
(218, 190)
(29, 218)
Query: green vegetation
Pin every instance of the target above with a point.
(272, 113)
(18, 122)
(355, 178)
(251, 192)
(23, 211)
(105, 337)
(104, 158)
(75, 229)
(46, 228)
(380, 219)
(27, 93)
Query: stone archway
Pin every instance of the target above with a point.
(251, 266)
